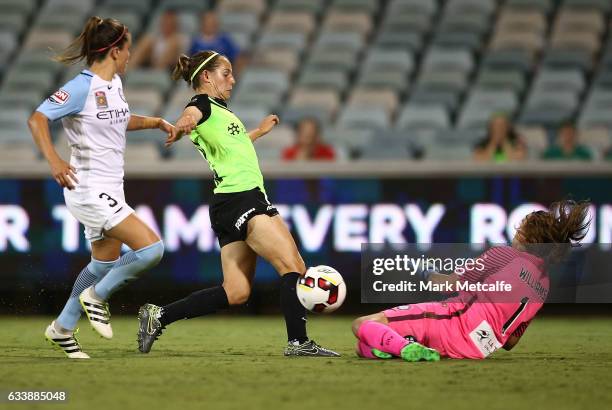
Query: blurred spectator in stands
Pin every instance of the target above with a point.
(160, 49)
(210, 38)
(502, 143)
(309, 144)
(608, 155)
(567, 146)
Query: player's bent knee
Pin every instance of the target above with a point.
(237, 295)
(378, 317)
(150, 256)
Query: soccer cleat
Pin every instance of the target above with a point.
(309, 348)
(97, 312)
(67, 342)
(149, 326)
(415, 352)
(381, 355)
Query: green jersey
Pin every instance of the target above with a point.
(223, 141)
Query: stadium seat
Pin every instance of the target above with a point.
(327, 100)
(413, 6)
(241, 22)
(340, 40)
(309, 6)
(293, 114)
(358, 22)
(444, 152)
(280, 137)
(598, 139)
(517, 40)
(438, 59)
(509, 59)
(36, 80)
(23, 99)
(141, 152)
(374, 78)
(446, 80)
(143, 101)
(335, 80)
(264, 80)
(544, 6)
(604, 6)
(579, 20)
(14, 126)
(385, 98)
(353, 139)
(389, 148)
(448, 99)
(358, 117)
(288, 22)
(381, 59)
(250, 115)
(568, 59)
(256, 7)
(459, 40)
(522, 20)
(285, 60)
(291, 41)
(19, 6)
(191, 6)
(158, 80)
(576, 40)
(501, 80)
(415, 117)
(486, 7)
(269, 99)
(43, 40)
(475, 23)
(391, 40)
(141, 7)
(571, 80)
(12, 23)
(367, 6)
(332, 59)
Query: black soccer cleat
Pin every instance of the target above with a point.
(150, 328)
(308, 348)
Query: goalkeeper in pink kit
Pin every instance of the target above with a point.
(472, 326)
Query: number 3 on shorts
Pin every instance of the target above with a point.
(111, 201)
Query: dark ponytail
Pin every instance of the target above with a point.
(186, 66)
(98, 37)
(565, 222)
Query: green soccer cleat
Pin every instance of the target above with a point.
(416, 352)
(381, 355)
(149, 328)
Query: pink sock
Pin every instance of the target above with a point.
(365, 351)
(381, 337)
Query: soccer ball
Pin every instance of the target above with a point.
(321, 289)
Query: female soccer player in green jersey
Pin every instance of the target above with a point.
(243, 219)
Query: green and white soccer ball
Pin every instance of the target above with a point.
(321, 289)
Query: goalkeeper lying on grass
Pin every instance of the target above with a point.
(472, 326)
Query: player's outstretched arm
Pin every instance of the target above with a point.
(185, 124)
(140, 122)
(511, 342)
(265, 126)
(62, 171)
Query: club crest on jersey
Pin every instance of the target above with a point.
(59, 97)
(101, 101)
(233, 128)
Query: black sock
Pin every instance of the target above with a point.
(294, 312)
(200, 303)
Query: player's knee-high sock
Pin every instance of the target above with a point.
(200, 303)
(128, 268)
(294, 312)
(381, 337)
(92, 273)
(365, 351)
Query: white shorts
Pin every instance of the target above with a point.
(98, 209)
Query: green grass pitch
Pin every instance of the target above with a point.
(236, 362)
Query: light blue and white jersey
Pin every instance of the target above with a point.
(95, 115)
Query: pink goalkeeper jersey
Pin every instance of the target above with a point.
(487, 318)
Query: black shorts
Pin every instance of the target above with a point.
(230, 212)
